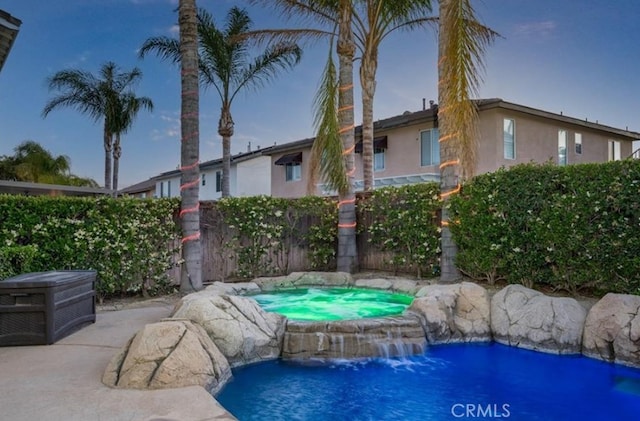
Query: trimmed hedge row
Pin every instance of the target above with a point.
(404, 221)
(128, 241)
(570, 227)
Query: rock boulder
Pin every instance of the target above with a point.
(305, 279)
(240, 328)
(360, 338)
(612, 330)
(529, 319)
(453, 313)
(168, 354)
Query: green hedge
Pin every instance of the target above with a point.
(570, 227)
(15, 260)
(128, 241)
(404, 222)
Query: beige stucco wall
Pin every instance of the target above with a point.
(537, 140)
(282, 188)
(402, 156)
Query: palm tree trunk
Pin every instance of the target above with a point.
(191, 272)
(225, 130)
(117, 153)
(347, 260)
(107, 157)
(461, 45)
(448, 154)
(368, 83)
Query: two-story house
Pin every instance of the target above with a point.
(249, 177)
(406, 148)
(406, 151)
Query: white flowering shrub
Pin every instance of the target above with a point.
(127, 241)
(266, 228)
(404, 221)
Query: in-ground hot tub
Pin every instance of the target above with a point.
(324, 304)
(327, 318)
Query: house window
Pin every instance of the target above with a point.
(293, 171)
(218, 181)
(161, 189)
(578, 142)
(204, 180)
(509, 137)
(169, 188)
(429, 147)
(614, 150)
(292, 165)
(378, 159)
(562, 147)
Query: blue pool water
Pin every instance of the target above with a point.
(447, 382)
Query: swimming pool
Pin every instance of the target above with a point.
(447, 382)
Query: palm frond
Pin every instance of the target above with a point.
(166, 48)
(373, 20)
(326, 160)
(266, 66)
(317, 12)
(287, 35)
(464, 44)
(212, 57)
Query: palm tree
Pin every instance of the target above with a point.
(461, 45)
(36, 164)
(225, 64)
(126, 107)
(332, 152)
(33, 163)
(347, 250)
(373, 21)
(92, 96)
(191, 271)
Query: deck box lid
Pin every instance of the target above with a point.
(47, 279)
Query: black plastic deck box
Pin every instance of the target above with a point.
(41, 308)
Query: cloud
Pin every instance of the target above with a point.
(542, 28)
(174, 30)
(79, 59)
(171, 127)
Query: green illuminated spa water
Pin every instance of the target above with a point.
(318, 304)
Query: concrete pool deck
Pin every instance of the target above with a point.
(63, 381)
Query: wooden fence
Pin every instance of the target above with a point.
(219, 258)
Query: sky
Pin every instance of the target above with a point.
(581, 59)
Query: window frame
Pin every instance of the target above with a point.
(218, 181)
(291, 174)
(577, 141)
(509, 145)
(614, 150)
(379, 155)
(563, 159)
(434, 147)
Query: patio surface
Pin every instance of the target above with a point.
(63, 381)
